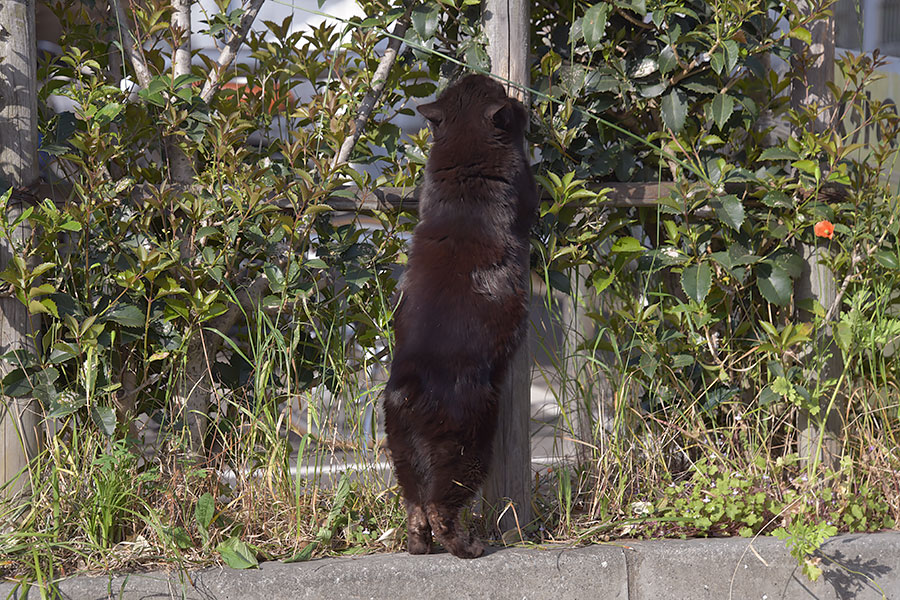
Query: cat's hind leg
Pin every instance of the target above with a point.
(404, 456)
(457, 475)
(418, 530)
(448, 530)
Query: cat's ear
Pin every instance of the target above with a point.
(508, 115)
(494, 109)
(432, 111)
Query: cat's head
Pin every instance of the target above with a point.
(476, 103)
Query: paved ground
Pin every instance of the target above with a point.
(859, 567)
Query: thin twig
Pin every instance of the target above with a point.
(132, 49)
(229, 51)
(379, 80)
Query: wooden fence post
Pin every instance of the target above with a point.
(813, 67)
(506, 25)
(19, 418)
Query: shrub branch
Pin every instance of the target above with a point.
(379, 80)
(229, 51)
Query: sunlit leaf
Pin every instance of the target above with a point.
(594, 24)
(236, 554)
(729, 210)
(774, 283)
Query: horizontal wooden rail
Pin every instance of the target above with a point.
(351, 199)
(397, 198)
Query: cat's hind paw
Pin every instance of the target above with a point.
(464, 548)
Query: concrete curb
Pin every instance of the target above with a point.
(860, 567)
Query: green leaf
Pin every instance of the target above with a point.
(594, 24)
(127, 315)
(722, 107)
(741, 256)
(887, 259)
(109, 112)
(425, 20)
(15, 384)
(42, 268)
(179, 537)
(724, 259)
(44, 390)
(809, 167)
(774, 283)
(638, 6)
(66, 404)
(183, 80)
(667, 60)
(649, 364)
(204, 510)
(732, 54)
(237, 554)
(643, 68)
(45, 306)
(788, 260)
(729, 210)
(777, 199)
(717, 61)
(802, 34)
(602, 279)
(275, 278)
(71, 226)
(700, 87)
(626, 244)
(778, 154)
(104, 417)
(559, 281)
(674, 110)
(304, 554)
(654, 90)
(696, 281)
(477, 58)
(315, 263)
(62, 351)
(682, 360)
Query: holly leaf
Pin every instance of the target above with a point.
(594, 24)
(729, 210)
(722, 107)
(774, 283)
(674, 110)
(425, 20)
(696, 281)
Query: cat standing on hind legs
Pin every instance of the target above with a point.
(462, 310)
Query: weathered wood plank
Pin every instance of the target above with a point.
(19, 418)
(352, 199)
(506, 26)
(813, 67)
(622, 195)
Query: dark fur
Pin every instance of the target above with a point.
(462, 310)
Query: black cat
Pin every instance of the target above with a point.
(462, 308)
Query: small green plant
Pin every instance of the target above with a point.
(803, 539)
(714, 502)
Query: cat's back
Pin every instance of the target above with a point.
(465, 286)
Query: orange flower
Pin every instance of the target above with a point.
(824, 229)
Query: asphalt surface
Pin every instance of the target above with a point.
(863, 567)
